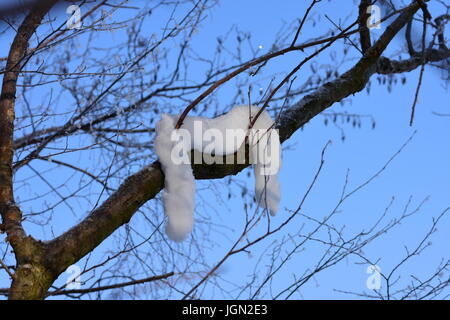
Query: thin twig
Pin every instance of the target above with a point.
(422, 69)
(4, 266)
(303, 21)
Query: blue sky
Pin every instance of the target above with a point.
(420, 171)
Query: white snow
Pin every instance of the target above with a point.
(179, 192)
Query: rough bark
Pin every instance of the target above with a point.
(31, 278)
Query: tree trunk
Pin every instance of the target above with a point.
(31, 282)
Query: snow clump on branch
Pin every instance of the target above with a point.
(217, 137)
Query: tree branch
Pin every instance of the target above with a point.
(11, 215)
(364, 33)
(389, 66)
(112, 286)
(26, 249)
(146, 184)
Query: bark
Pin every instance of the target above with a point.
(31, 278)
(364, 33)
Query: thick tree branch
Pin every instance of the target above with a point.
(27, 251)
(389, 66)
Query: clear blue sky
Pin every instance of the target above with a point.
(420, 171)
